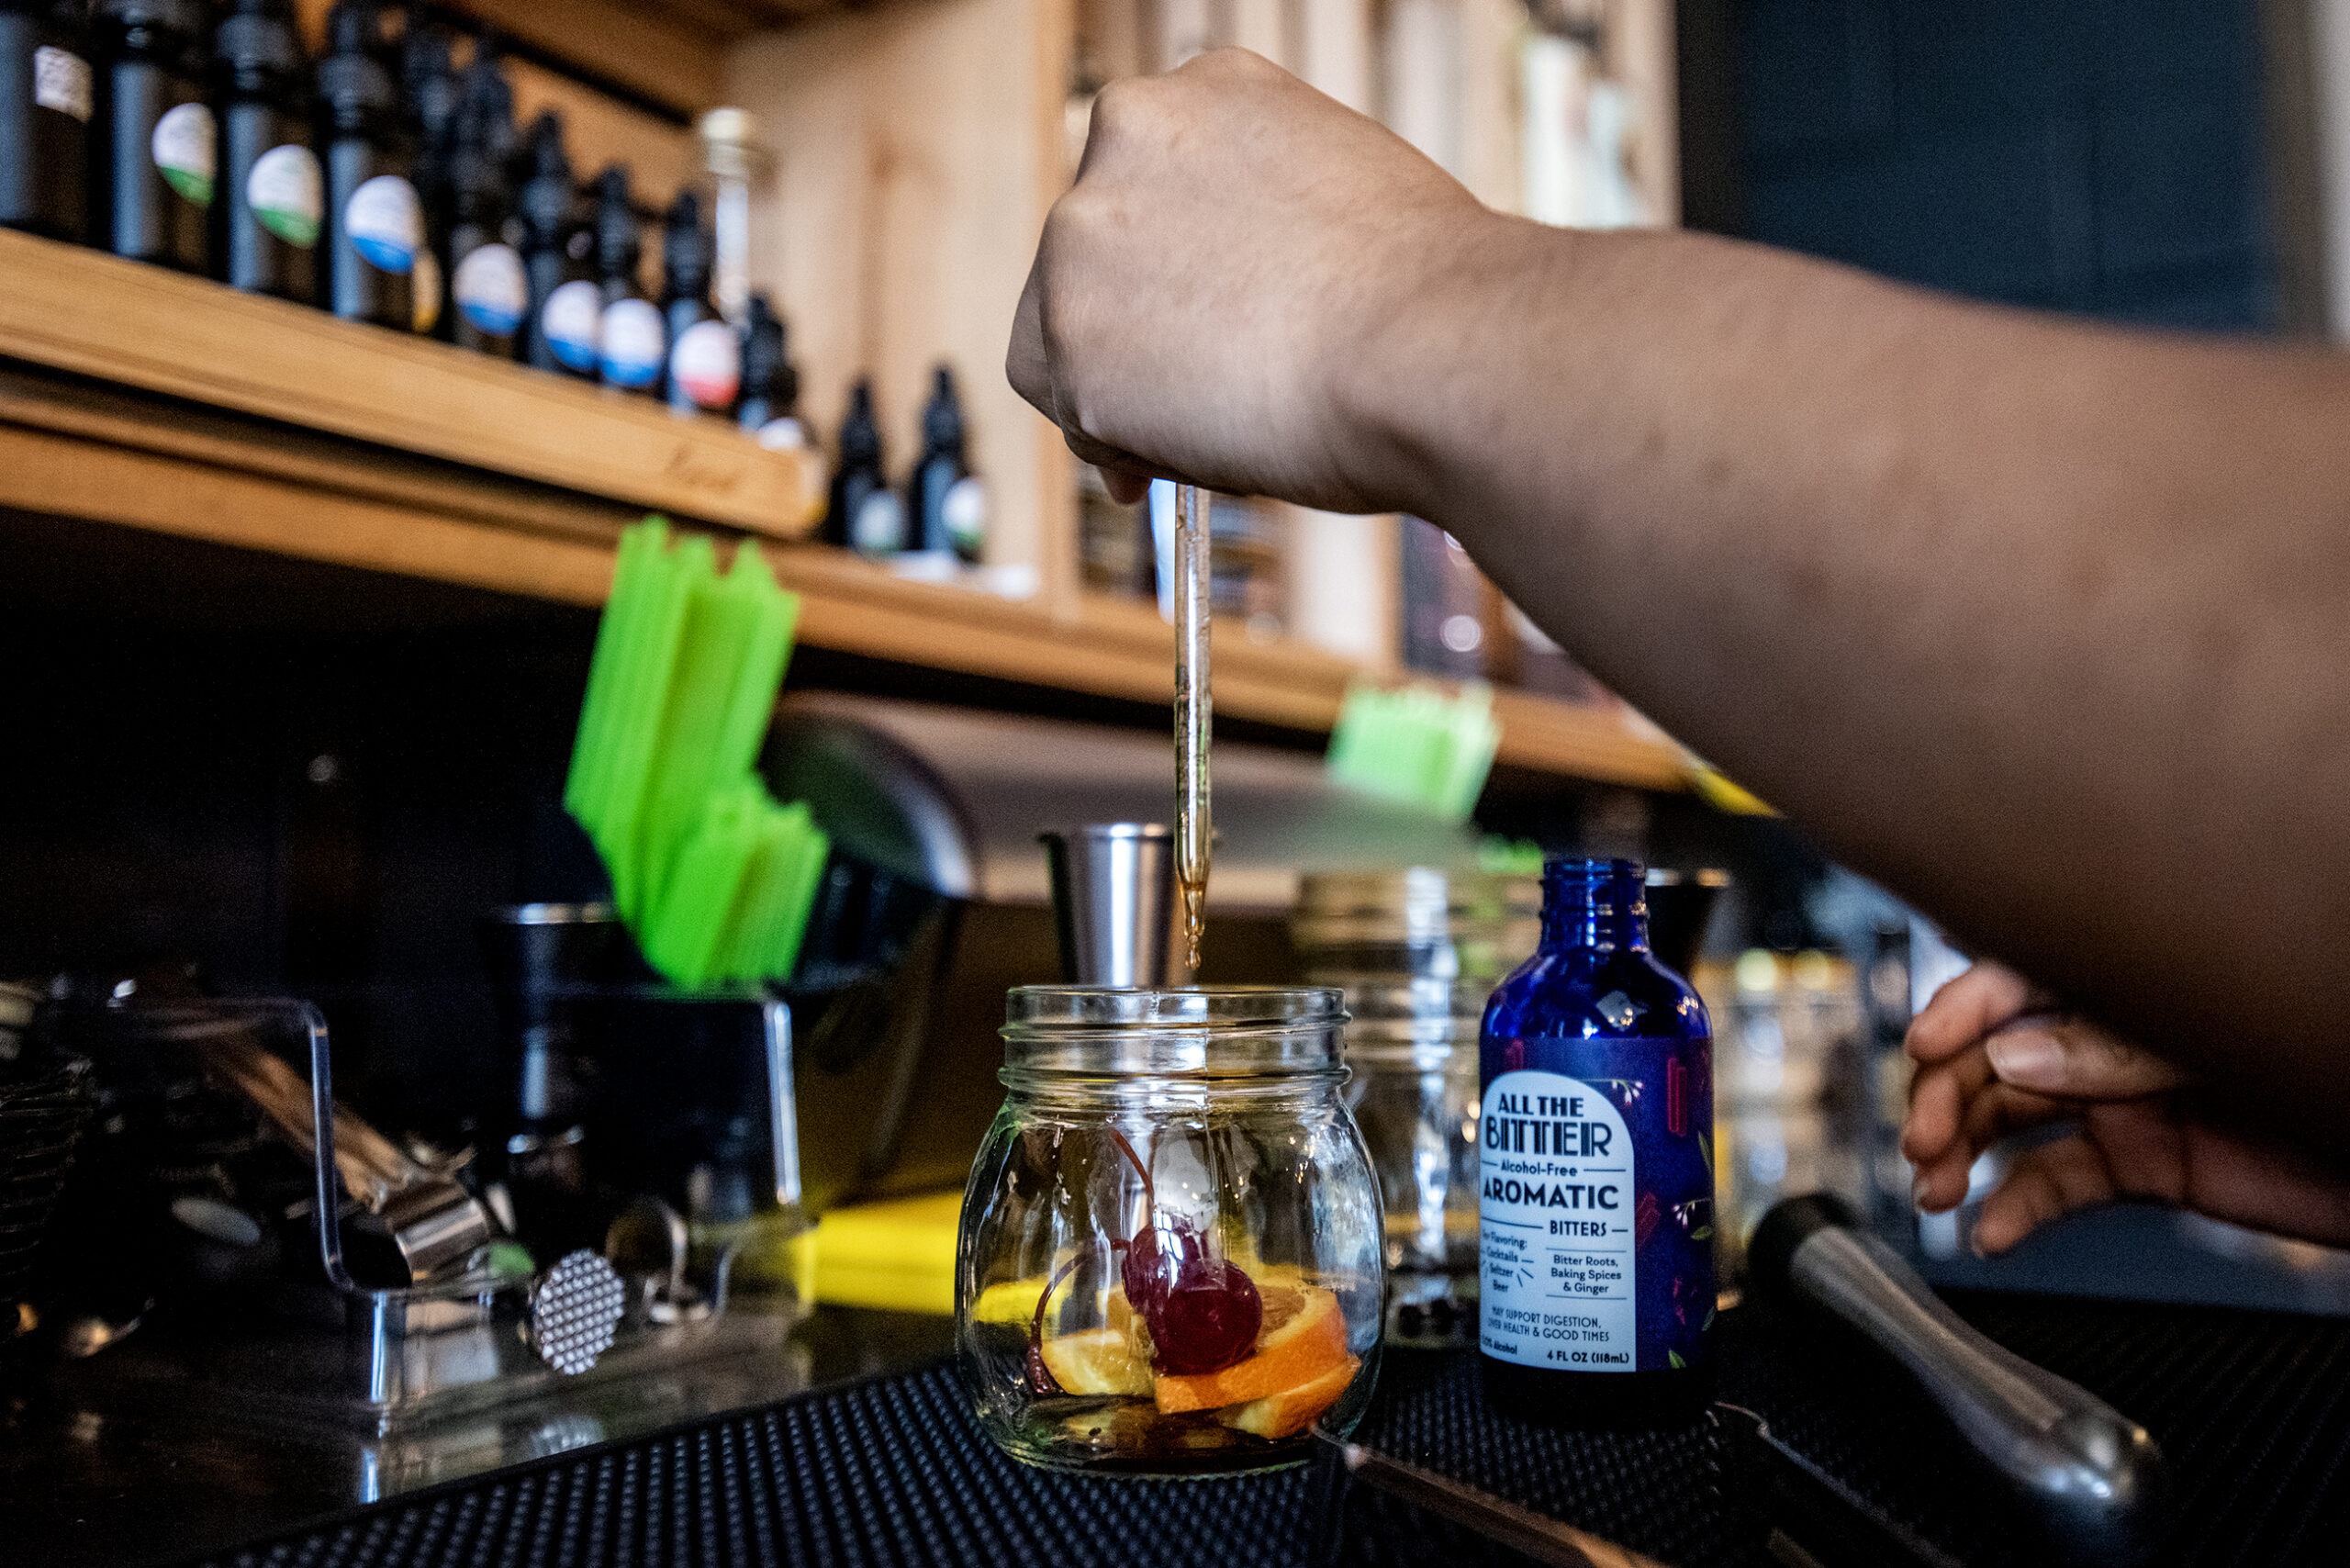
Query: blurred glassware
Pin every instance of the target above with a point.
(1416, 952)
(1792, 1076)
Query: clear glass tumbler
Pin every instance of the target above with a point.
(1169, 1261)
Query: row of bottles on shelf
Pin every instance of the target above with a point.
(942, 512)
(175, 132)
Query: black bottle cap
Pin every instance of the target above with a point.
(486, 102)
(617, 243)
(686, 249)
(768, 370)
(182, 18)
(255, 44)
(428, 83)
(352, 85)
(477, 187)
(860, 437)
(548, 196)
(942, 417)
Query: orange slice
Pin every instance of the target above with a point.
(1099, 1361)
(1304, 1335)
(1294, 1409)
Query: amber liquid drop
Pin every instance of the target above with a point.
(1193, 832)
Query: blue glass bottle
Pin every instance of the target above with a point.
(1596, 1169)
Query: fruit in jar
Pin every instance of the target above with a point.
(1202, 1311)
(1293, 1409)
(1304, 1335)
(1097, 1360)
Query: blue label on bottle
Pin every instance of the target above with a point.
(1595, 1204)
(570, 319)
(630, 343)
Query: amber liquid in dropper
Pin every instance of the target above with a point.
(1192, 703)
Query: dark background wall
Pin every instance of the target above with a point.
(2100, 156)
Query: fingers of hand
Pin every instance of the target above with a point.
(1932, 1138)
(1987, 995)
(1957, 1109)
(2077, 1059)
(2043, 1184)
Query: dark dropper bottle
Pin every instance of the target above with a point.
(45, 107)
(266, 219)
(769, 409)
(374, 225)
(488, 290)
(946, 509)
(632, 345)
(1596, 1168)
(862, 513)
(705, 367)
(427, 131)
(559, 325)
(153, 151)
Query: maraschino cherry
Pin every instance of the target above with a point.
(1202, 1312)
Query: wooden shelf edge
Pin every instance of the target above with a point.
(74, 463)
(70, 309)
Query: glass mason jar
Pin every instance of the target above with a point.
(1170, 1255)
(1416, 951)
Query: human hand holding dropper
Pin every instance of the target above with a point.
(2041, 624)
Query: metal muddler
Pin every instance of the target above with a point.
(2086, 1476)
(1114, 903)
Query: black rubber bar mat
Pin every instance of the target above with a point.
(2253, 1411)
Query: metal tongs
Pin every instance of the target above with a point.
(436, 1223)
(571, 1312)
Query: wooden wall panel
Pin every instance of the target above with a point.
(918, 149)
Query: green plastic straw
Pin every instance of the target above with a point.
(714, 877)
(1417, 745)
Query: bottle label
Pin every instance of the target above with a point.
(632, 341)
(491, 290)
(62, 81)
(785, 434)
(286, 193)
(424, 297)
(569, 319)
(385, 223)
(965, 511)
(1596, 1190)
(182, 149)
(708, 363)
(878, 525)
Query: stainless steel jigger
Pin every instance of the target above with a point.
(1114, 903)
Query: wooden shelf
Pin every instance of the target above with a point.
(69, 309)
(98, 455)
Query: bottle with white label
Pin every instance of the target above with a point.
(632, 341)
(374, 224)
(946, 507)
(45, 103)
(154, 151)
(560, 321)
(1596, 1168)
(272, 201)
(769, 409)
(863, 512)
(705, 369)
(488, 292)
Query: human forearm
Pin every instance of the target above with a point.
(2024, 619)
(2046, 627)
